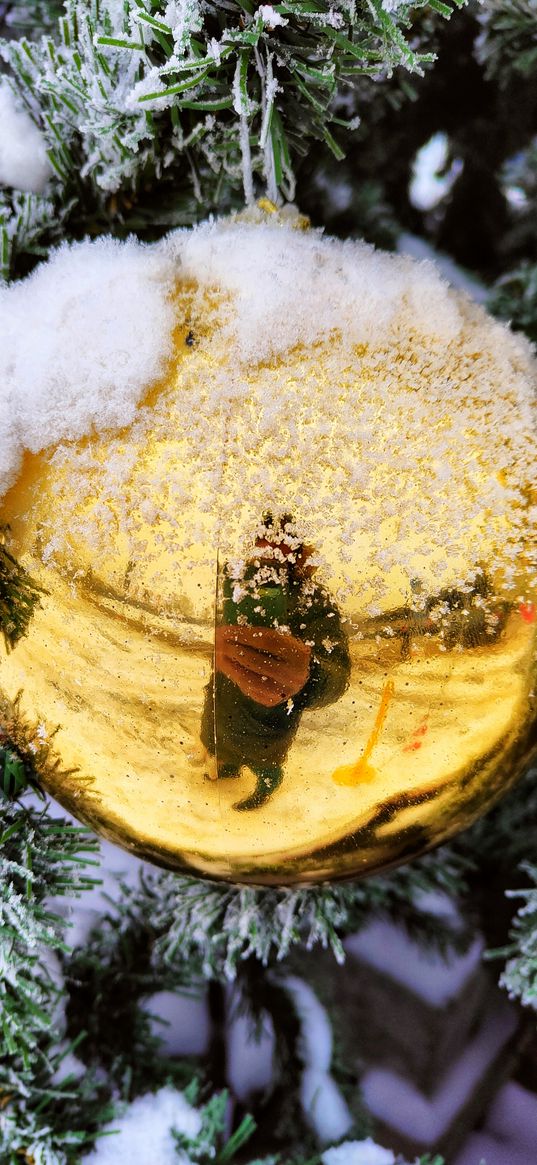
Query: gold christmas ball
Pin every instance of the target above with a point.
(286, 627)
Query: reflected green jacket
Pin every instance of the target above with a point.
(247, 733)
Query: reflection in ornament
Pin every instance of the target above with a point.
(362, 770)
(416, 740)
(280, 649)
(19, 596)
(396, 424)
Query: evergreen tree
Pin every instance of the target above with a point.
(153, 115)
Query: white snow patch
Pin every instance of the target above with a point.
(84, 337)
(142, 1136)
(23, 153)
(295, 287)
(181, 1022)
(432, 177)
(513, 1116)
(250, 1057)
(482, 1149)
(321, 1100)
(426, 973)
(425, 1119)
(80, 342)
(269, 16)
(358, 1153)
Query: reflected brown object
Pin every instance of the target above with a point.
(124, 533)
(266, 665)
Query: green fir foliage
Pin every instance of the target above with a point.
(514, 298)
(194, 928)
(41, 858)
(152, 121)
(520, 974)
(45, 1113)
(213, 1146)
(508, 44)
(118, 1031)
(19, 596)
(13, 776)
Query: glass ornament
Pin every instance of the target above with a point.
(286, 628)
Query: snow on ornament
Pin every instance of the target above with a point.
(278, 492)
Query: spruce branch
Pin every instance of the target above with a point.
(507, 835)
(520, 974)
(106, 980)
(39, 857)
(30, 224)
(45, 1114)
(193, 928)
(19, 596)
(58, 1122)
(508, 41)
(514, 298)
(213, 1146)
(154, 114)
(29, 744)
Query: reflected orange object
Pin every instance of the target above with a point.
(362, 770)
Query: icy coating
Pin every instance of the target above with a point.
(307, 375)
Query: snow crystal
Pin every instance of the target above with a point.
(23, 157)
(358, 1153)
(143, 1136)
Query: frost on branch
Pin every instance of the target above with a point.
(38, 857)
(154, 113)
(212, 929)
(520, 975)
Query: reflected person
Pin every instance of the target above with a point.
(280, 649)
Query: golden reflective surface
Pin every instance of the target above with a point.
(258, 663)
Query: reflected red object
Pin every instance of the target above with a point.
(416, 739)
